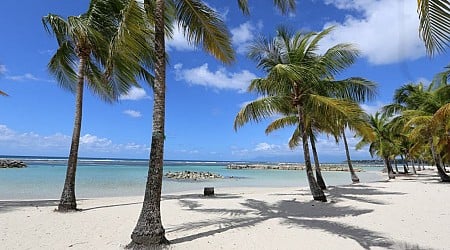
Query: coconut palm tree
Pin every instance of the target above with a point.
(201, 25)
(381, 142)
(434, 24)
(421, 113)
(103, 57)
(295, 73)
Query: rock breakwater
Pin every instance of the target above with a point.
(4, 163)
(282, 166)
(192, 175)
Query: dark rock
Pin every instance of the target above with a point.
(5, 163)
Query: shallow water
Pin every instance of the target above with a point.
(102, 178)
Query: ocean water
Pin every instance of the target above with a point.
(44, 178)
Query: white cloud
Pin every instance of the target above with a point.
(264, 146)
(244, 34)
(373, 108)
(24, 77)
(132, 113)
(135, 94)
(386, 31)
(220, 79)
(14, 142)
(2, 69)
(178, 41)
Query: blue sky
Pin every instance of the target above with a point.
(203, 96)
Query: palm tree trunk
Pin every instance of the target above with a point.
(388, 165)
(442, 174)
(319, 177)
(149, 231)
(413, 167)
(396, 167)
(353, 175)
(68, 200)
(405, 164)
(316, 191)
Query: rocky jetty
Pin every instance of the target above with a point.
(4, 163)
(192, 175)
(284, 166)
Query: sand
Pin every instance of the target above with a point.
(410, 212)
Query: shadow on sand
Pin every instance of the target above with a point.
(6, 206)
(310, 215)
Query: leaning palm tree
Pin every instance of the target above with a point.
(434, 24)
(107, 61)
(295, 72)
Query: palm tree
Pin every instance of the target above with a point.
(201, 25)
(381, 141)
(295, 73)
(422, 115)
(434, 23)
(103, 61)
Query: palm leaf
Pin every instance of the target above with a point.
(282, 122)
(434, 26)
(258, 110)
(202, 25)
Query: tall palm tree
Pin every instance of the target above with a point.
(381, 142)
(201, 25)
(103, 57)
(295, 72)
(434, 24)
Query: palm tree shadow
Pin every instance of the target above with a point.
(109, 206)
(311, 215)
(359, 193)
(6, 206)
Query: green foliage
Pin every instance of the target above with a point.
(112, 38)
(434, 26)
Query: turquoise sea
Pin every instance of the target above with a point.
(44, 177)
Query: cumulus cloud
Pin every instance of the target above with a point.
(135, 94)
(2, 69)
(23, 77)
(384, 30)
(264, 146)
(132, 113)
(220, 79)
(14, 142)
(178, 41)
(244, 34)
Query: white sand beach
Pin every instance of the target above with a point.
(410, 212)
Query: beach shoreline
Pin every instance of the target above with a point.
(405, 213)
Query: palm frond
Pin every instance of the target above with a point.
(434, 26)
(258, 110)
(202, 25)
(282, 122)
(62, 65)
(55, 24)
(295, 139)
